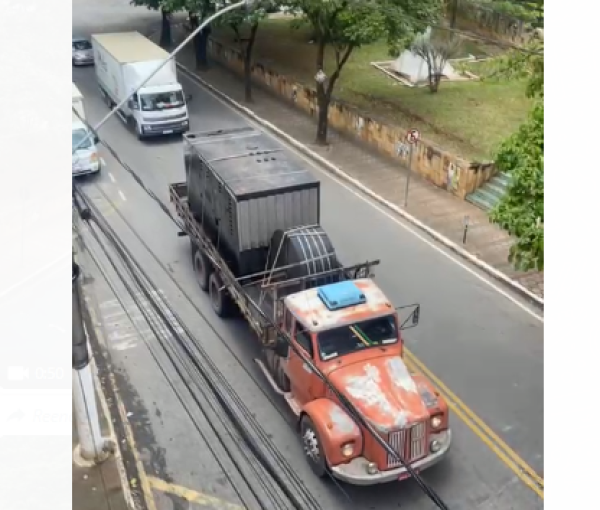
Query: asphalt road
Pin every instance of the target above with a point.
(482, 346)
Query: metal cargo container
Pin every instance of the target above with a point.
(243, 187)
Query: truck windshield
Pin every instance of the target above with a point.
(355, 337)
(161, 101)
(78, 136)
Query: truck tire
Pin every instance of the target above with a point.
(202, 267)
(219, 298)
(311, 445)
(280, 377)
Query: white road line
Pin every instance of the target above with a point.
(112, 177)
(122, 195)
(386, 213)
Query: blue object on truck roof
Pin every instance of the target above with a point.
(340, 295)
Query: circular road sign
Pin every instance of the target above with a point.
(413, 136)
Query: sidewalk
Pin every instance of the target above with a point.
(431, 205)
(97, 487)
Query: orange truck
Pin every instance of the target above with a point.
(327, 330)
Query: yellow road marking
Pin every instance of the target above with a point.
(504, 452)
(192, 496)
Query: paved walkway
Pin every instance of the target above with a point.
(97, 487)
(433, 206)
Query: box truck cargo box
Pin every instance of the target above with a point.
(123, 62)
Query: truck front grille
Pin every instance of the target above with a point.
(411, 444)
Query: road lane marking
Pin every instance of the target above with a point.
(191, 495)
(112, 177)
(389, 215)
(122, 195)
(504, 452)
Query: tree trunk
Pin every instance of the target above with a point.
(434, 82)
(322, 102)
(200, 42)
(248, 63)
(166, 40)
(322, 118)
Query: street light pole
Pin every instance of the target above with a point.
(201, 27)
(91, 443)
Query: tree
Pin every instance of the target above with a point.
(166, 38)
(436, 53)
(344, 25)
(197, 11)
(521, 211)
(239, 19)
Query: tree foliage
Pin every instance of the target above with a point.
(521, 210)
(344, 25)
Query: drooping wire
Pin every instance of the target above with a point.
(346, 404)
(127, 258)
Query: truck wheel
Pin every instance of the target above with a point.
(201, 268)
(311, 444)
(219, 299)
(280, 376)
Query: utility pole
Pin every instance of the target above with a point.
(93, 447)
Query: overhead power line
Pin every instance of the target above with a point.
(346, 404)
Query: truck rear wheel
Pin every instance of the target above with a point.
(219, 299)
(274, 366)
(201, 267)
(311, 444)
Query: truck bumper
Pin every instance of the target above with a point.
(356, 472)
(152, 130)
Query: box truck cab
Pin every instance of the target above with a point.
(123, 62)
(85, 159)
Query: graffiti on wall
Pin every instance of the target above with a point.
(452, 177)
(402, 149)
(360, 124)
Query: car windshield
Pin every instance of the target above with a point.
(78, 136)
(161, 101)
(355, 337)
(82, 45)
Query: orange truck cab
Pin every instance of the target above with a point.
(351, 332)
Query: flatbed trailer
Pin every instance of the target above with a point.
(258, 296)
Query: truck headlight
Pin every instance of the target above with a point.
(348, 449)
(436, 422)
(435, 446)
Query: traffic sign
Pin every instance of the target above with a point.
(413, 136)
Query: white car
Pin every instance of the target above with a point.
(83, 54)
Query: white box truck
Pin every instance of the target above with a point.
(123, 61)
(85, 159)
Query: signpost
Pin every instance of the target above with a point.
(412, 137)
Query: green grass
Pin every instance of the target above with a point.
(469, 119)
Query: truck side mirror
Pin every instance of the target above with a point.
(282, 347)
(96, 140)
(413, 319)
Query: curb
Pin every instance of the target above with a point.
(515, 286)
(451, 245)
